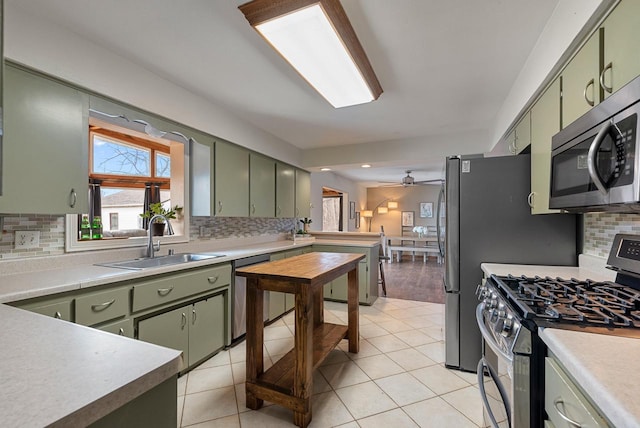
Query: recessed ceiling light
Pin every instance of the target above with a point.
(366, 165)
(318, 41)
(325, 169)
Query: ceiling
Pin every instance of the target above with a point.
(446, 68)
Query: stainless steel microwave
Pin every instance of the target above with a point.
(594, 160)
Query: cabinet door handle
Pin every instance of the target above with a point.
(121, 332)
(102, 306)
(164, 291)
(279, 211)
(253, 208)
(194, 315)
(73, 198)
(584, 93)
(602, 84)
(213, 279)
(219, 207)
(556, 403)
(297, 212)
(57, 315)
(530, 199)
(184, 321)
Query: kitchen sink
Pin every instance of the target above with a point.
(159, 261)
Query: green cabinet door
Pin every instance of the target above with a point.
(523, 134)
(206, 328)
(303, 193)
(545, 123)
(285, 191)
(621, 35)
(170, 329)
(201, 173)
(231, 180)
(580, 88)
(45, 146)
(262, 186)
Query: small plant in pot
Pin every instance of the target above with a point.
(305, 226)
(158, 226)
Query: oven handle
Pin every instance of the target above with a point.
(488, 338)
(482, 364)
(591, 157)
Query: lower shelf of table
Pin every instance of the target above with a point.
(279, 377)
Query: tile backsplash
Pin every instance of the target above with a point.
(52, 229)
(601, 228)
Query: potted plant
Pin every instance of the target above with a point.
(158, 226)
(305, 225)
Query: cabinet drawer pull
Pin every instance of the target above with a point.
(57, 315)
(279, 211)
(121, 332)
(584, 93)
(602, 84)
(556, 403)
(219, 206)
(73, 198)
(194, 315)
(184, 321)
(213, 279)
(253, 208)
(102, 306)
(164, 291)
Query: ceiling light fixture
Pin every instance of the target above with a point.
(392, 205)
(325, 169)
(366, 165)
(316, 38)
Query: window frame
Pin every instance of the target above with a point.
(178, 153)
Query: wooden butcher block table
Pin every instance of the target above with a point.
(289, 381)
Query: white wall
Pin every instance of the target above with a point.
(56, 51)
(352, 191)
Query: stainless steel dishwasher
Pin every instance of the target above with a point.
(239, 291)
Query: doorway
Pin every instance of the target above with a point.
(332, 210)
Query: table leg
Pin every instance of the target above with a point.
(303, 375)
(318, 308)
(254, 339)
(353, 311)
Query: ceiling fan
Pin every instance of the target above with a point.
(409, 180)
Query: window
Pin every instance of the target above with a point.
(127, 169)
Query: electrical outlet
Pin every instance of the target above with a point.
(27, 239)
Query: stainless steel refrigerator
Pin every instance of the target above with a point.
(488, 219)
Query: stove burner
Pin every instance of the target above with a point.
(574, 301)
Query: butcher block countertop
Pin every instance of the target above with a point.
(606, 367)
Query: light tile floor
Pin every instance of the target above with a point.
(397, 379)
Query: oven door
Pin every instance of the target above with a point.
(495, 378)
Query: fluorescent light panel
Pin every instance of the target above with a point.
(307, 37)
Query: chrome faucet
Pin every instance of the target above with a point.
(151, 249)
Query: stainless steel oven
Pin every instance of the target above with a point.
(594, 164)
(508, 372)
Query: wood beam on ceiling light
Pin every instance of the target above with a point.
(259, 11)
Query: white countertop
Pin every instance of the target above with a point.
(55, 371)
(26, 285)
(606, 367)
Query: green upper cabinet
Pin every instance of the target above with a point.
(45, 146)
(303, 193)
(201, 173)
(545, 123)
(231, 180)
(520, 137)
(285, 191)
(262, 186)
(580, 87)
(621, 35)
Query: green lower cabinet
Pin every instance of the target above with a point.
(281, 303)
(367, 274)
(206, 328)
(170, 329)
(122, 328)
(60, 310)
(198, 329)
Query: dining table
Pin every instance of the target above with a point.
(418, 243)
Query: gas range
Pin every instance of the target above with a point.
(594, 306)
